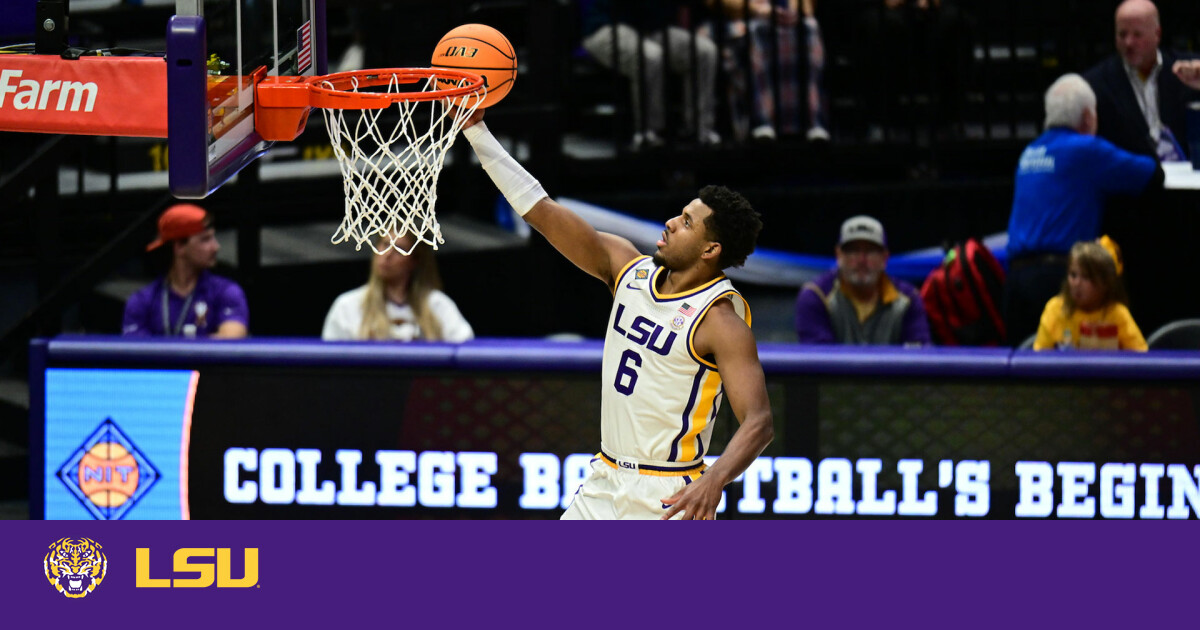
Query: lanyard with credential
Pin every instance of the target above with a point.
(172, 332)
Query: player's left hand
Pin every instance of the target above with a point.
(1188, 72)
(698, 501)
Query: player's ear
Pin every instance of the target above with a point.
(712, 251)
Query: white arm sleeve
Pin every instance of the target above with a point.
(516, 184)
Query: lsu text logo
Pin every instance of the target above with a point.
(75, 566)
(207, 574)
(108, 473)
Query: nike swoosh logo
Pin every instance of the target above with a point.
(633, 286)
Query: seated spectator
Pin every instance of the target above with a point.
(1090, 313)
(772, 28)
(652, 23)
(1064, 179)
(402, 300)
(188, 301)
(911, 47)
(858, 303)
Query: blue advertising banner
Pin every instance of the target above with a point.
(117, 443)
(414, 574)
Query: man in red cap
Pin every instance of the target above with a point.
(188, 301)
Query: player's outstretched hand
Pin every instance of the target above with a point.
(697, 501)
(1188, 71)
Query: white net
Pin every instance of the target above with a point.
(390, 165)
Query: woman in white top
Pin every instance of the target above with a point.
(401, 301)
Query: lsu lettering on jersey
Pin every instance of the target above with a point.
(664, 397)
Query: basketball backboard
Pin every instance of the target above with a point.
(217, 50)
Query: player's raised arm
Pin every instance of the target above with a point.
(725, 336)
(601, 255)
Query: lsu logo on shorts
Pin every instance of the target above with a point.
(75, 566)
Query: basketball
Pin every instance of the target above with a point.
(483, 50)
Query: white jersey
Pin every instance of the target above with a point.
(660, 398)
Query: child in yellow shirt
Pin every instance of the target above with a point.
(1090, 312)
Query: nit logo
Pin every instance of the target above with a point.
(207, 574)
(75, 566)
(108, 473)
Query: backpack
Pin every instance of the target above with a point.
(963, 296)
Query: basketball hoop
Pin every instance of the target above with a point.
(389, 167)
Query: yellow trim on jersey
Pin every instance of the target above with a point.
(700, 415)
(624, 270)
(676, 296)
(697, 470)
(699, 318)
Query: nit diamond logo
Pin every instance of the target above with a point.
(108, 473)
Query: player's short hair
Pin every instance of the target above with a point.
(733, 223)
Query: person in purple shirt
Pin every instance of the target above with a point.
(188, 301)
(858, 303)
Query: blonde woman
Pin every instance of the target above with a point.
(401, 301)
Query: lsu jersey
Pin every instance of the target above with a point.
(660, 398)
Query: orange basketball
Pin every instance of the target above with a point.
(483, 50)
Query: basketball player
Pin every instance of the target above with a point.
(678, 338)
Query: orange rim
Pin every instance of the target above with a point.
(336, 91)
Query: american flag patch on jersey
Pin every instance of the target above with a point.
(687, 310)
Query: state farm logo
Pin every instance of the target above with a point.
(49, 94)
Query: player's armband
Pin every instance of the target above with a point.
(516, 184)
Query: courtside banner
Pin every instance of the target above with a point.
(830, 574)
(101, 96)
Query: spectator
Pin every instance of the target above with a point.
(624, 23)
(1143, 108)
(772, 28)
(858, 303)
(1090, 312)
(188, 300)
(402, 300)
(1062, 182)
(912, 47)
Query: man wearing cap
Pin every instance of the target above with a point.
(188, 301)
(858, 303)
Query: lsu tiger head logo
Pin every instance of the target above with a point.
(75, 566)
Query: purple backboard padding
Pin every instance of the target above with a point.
(576, 356)
(187, 106)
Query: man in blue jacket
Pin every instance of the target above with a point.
(1063, 180)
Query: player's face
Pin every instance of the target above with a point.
(685, 237)
(1085, 293)
(200, 250)
(392, 266)
(1138, 35)
(861, 262)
